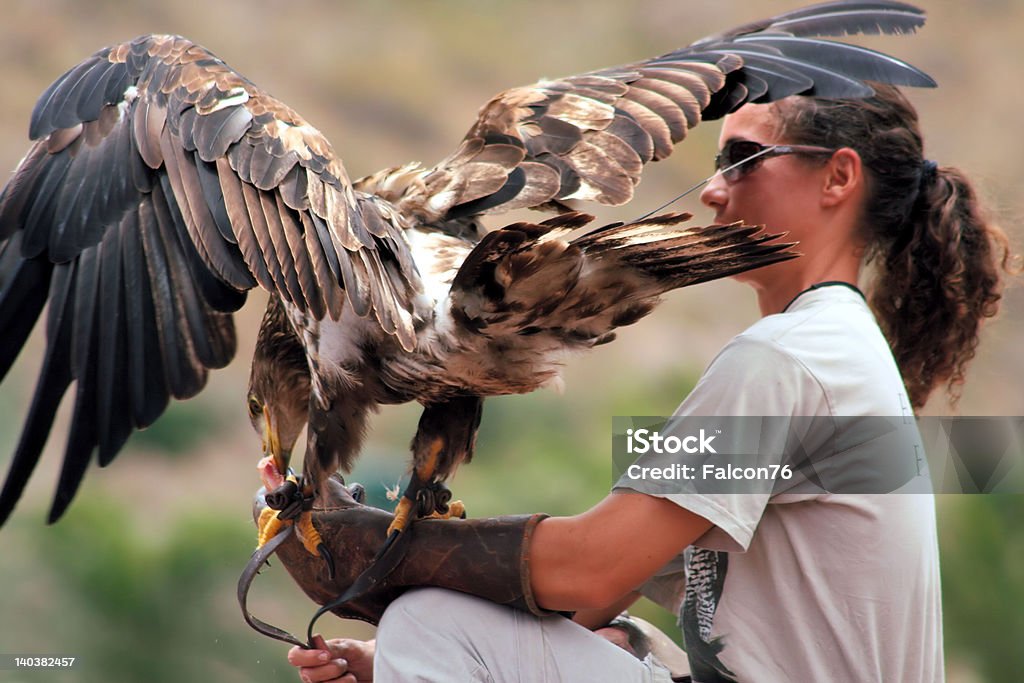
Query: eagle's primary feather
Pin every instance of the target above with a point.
(162, 185)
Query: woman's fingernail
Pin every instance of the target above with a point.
(324, 656)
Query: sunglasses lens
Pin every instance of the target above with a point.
(736, 152)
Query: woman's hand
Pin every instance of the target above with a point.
(341, 660)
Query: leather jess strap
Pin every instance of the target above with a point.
(387, 558)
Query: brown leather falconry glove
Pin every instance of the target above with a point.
(483, 557)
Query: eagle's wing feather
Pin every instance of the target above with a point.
(559, 284)
(588, 136)
(162, 185)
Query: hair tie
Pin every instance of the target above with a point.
(928, 171)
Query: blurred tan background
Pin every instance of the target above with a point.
(138, 579)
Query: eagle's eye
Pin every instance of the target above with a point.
(255, 407)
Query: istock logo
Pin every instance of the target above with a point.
(640, 441)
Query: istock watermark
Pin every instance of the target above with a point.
(642, 441)
(854, 454)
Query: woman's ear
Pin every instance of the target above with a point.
(844, 179)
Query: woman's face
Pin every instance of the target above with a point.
(782, 193)
(795, 194)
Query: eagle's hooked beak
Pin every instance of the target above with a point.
(272, 443)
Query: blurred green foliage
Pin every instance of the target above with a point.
(180, 429)
(982, 545)
(133, 605)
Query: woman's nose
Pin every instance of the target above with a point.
(715, 195)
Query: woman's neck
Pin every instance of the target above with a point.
(776, 292)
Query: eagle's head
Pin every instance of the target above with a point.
(279, 385)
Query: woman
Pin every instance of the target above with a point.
(796, 586)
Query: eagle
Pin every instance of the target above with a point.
(162, 186)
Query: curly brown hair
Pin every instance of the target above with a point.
(939, 258)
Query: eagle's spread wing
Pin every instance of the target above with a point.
(162, 185)
(589, 136)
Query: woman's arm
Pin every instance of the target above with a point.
(596, 618)
(591, 560)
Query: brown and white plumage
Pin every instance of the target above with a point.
(163, 185)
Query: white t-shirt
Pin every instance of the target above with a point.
(818, 586)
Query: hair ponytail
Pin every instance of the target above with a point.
(934, 289)
(939, 258)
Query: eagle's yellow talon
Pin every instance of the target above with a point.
(403, 511)
(457, 509)
(307, 532)
(269, 525)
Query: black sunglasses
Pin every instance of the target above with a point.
(741, 157)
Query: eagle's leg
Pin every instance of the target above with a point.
(425, 497)
(330, 442)
(310, 537)
(445, 437)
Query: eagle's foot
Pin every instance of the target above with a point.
(308, 534)
(425, 496)
(312, 542)
(456, 510)
(403, 515)
(421, 500)
(289, 501)
(268, 526)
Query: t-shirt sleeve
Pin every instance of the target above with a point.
(753, 377)
(750, 377)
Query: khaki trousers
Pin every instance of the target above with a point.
(441, 636)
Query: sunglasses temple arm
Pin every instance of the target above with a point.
(702, 183)
(676, 198)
